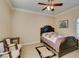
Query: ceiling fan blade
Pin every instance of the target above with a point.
(42, 3)
(58, 4)
(44, 9)
(50, 5)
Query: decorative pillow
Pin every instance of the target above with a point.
(48, 34)
(51, 34)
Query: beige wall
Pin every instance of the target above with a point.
(27, 26)
(72, 17)
(5, 20)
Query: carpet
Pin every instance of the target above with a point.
(45, 52)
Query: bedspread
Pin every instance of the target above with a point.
(54, 40)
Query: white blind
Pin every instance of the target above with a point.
(78, 27)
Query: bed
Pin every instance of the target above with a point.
(59, 43)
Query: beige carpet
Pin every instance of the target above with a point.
(30, 52)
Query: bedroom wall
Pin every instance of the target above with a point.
(70, 15)
(5, 19)
(27, 26)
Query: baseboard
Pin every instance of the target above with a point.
(30, 43)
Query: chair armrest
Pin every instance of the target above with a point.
(3, 53)
(11, 45)
(6, 54)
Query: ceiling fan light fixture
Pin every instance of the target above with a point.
(50, 7)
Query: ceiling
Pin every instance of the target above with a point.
(33, 6)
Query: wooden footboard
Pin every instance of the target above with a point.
(68, 49)
(64, 52)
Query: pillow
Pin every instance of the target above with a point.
(50, 34)
(54, 35)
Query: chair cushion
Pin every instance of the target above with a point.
(15, 53)
(13, 47)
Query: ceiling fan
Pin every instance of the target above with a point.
(50, 5)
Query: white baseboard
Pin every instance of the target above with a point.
(30, 43)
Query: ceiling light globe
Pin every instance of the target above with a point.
(48, 7)
(52, 7)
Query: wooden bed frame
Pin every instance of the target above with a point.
(62, 51)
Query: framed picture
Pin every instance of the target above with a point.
(63, 24)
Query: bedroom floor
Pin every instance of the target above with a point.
(30, 52)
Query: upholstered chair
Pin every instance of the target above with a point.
(3, 52)
(13, 45)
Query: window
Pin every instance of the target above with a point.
(77, 27)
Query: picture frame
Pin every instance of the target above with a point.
(63, 24)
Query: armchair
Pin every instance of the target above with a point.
(3, 52)
(12, 44)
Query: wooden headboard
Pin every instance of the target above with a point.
(46, 28)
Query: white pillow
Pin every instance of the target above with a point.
(50, 34)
